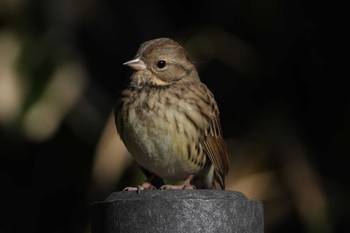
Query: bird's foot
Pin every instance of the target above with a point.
(144, 186)
(180, 186)
(184, 185)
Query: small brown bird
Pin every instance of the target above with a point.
(169, 120)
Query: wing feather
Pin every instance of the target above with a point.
(214, 145)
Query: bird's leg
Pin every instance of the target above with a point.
(147, 184)
(184, 185)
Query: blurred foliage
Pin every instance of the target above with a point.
(273, 67)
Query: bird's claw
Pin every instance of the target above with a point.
(177, 187)
(143, 186)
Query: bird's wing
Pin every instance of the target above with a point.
(215, 147)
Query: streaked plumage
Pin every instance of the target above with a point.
(169, 120)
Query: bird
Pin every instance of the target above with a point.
(169, 120)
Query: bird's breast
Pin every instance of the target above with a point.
(160, 137)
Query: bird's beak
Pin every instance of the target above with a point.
(136, 64)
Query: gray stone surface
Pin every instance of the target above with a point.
(177, 211)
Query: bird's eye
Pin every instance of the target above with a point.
(161, 64)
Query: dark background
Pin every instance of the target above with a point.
(275, 68)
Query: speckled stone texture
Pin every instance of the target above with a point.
(177, 211)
